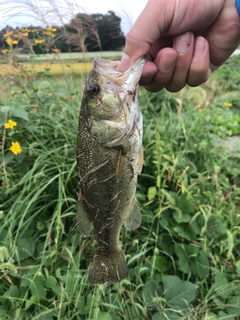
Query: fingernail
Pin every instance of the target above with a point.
(182, 42)
(167, 62)
(125, 63)
(200, 46)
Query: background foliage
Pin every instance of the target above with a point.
(84, 32)
(183, 260)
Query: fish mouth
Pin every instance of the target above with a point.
(109, 70)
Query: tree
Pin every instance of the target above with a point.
(109, 31)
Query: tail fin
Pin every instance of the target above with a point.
(108, 268)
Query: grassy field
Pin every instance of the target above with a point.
(184, 260)
(57, 68)
(56, 64)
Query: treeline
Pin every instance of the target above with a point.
(83, 33)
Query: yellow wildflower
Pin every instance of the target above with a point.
(6, 51)
(201, 110)
(49, 29)
(56, 51)
(227, 104)
(25, 30)
(10, 124)
(16, 148)
(11, 41)
(8, 34)
(49, 33)
(25, 34)
(39, 41)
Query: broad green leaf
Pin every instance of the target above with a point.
(37, 289)
(172, 197)
(177, 293)
(186, 204)
(185, 231)
(168, 315)
(162, 264)
(34, 300)
(103, 315)
(152, 291)
(237, 264)
(19, 112)
(200, 265)
(183, 260)
(222, 287)
(8, 158)
(223, 315)
(233, 306)
(92, 300)
(180, 216)
(70, 284)
(5, 109)
(25, 248)
(152, 191)
(216, 228)
(12, 292)
(60, 276)
(50, 282)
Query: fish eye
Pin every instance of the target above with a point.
(94, 89)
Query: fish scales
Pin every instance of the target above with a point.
(109, 158)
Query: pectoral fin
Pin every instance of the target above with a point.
(84, 224)
(134, 219)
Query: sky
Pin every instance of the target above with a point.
(56, 12)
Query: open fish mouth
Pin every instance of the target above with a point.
(109, 70)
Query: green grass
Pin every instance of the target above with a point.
(183, 260)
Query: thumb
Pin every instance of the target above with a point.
(140, 37)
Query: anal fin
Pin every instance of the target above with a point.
(134, 218)
(84, 224)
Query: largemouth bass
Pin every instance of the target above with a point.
(109, 159)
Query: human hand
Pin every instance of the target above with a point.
(183, 40)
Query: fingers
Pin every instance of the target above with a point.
(186, 63)
(172, 65)
(184, 45)
(164, 63)
(199, 71)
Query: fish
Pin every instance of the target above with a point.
(109, 158)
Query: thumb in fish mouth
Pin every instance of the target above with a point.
(109, 70)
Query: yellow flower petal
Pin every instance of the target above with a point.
(16, 148)
(8, 33)
(39, 41)
(227, 104)
(10, 124)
